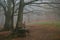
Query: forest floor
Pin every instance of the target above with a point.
(39, 32)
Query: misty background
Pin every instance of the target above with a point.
(36, 12)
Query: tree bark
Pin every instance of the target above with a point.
(8, 23)
(20, 14)
(12, 16)
(8, 17)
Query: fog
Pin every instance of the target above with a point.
(42, 13)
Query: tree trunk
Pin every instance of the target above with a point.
(8, 22)
(12, 16)
(20, 14)
(9, 17)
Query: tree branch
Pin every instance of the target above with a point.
(30, 2)
(46, 3)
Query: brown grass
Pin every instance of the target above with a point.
(42, 32)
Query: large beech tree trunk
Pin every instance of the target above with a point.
(20, 14)
(8, 17)
(8, 22)
(9, 14)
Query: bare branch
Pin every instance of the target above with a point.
(30, 2)
(46, 3)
